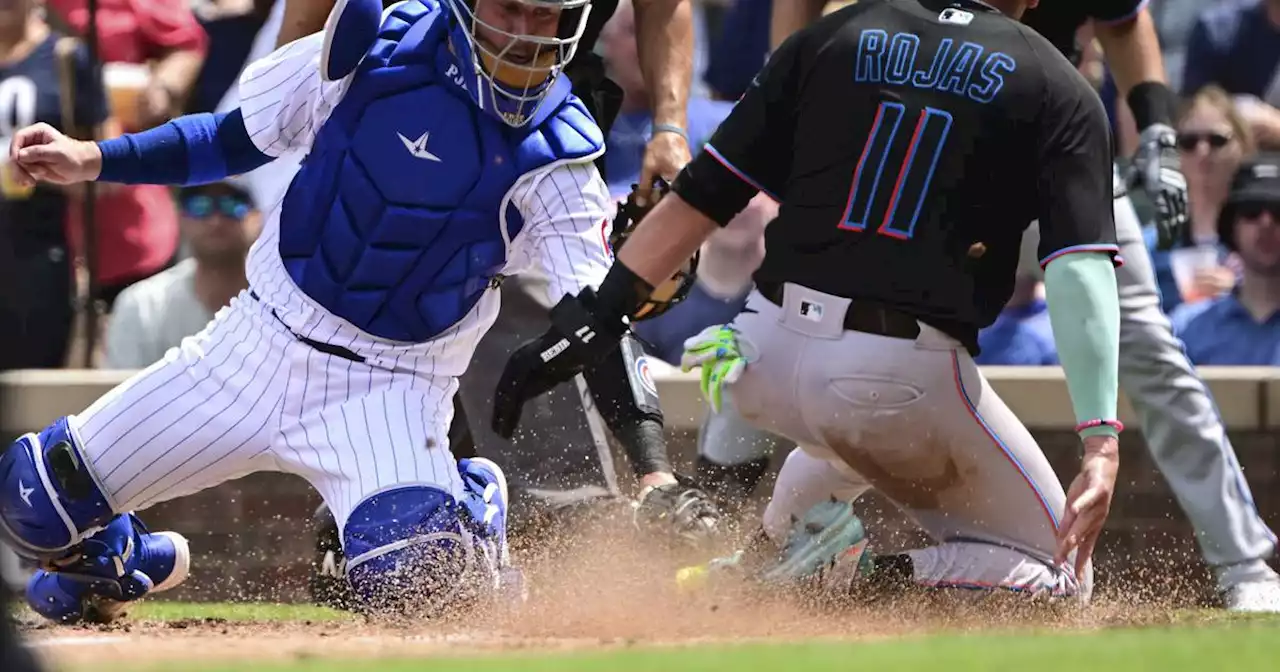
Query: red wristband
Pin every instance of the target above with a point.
(1098, 423)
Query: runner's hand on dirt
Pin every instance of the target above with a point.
(1088, 501)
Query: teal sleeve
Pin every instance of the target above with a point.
(1084, 310)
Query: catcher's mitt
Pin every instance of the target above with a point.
(681, 509)
(671, 292)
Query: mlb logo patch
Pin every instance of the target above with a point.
(811, 311)
(957, 16)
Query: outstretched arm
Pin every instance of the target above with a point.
(1078, 251)
(194, 149)
(284, 102)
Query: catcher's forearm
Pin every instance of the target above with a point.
(193, 149)
(629, 408)
(664, 40)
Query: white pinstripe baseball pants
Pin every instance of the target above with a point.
(244, 396)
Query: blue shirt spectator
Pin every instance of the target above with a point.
(1174, 20)
(739, 48)
(1222, 332)
(1020, 336)
(1235, 45)
(1242, 327)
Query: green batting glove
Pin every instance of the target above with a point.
(717, 350)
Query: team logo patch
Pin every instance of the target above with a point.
(645, 374)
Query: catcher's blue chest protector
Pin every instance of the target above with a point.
(392, 222)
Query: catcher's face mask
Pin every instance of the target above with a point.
(671, 292)
(517, 48)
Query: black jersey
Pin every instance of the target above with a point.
(910, 144)
(1059, 20)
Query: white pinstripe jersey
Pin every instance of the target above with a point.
(564, 205)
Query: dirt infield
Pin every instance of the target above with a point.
(589, 591)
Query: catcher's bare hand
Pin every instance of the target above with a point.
(664, 157)
(42, 153)
(1089, 501)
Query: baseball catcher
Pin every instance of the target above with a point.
(444, 152)
(669, 505)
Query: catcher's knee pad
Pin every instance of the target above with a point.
(418, 546)
(49, 501)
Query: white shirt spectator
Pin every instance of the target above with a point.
(154, 315)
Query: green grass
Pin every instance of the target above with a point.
(1236, 645)
(234, 611)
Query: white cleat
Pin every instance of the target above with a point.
(1255, 597)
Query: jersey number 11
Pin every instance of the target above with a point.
(909, 182)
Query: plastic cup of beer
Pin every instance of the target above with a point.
(1186, 262)
(125, 84)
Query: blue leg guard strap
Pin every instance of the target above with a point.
(48, 500)
(415, 547)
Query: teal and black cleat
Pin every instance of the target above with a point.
(827, 547)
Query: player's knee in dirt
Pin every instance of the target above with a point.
(50, 501)
(415, 548)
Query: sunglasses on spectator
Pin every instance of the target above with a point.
(200, 206)
(1188, 142)
(1254, 210)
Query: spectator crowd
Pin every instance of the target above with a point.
(167, 259)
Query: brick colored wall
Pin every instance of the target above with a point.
(251, 541)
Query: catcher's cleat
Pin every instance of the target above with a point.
(98, 578)
(827, 549)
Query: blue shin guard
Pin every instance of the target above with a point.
(417, 548)
(48, 499)
(107, 571)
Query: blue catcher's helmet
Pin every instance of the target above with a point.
(512, 72)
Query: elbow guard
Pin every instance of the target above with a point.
(627, 398)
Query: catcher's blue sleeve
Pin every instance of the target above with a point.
(666, 333)
(194, 149)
